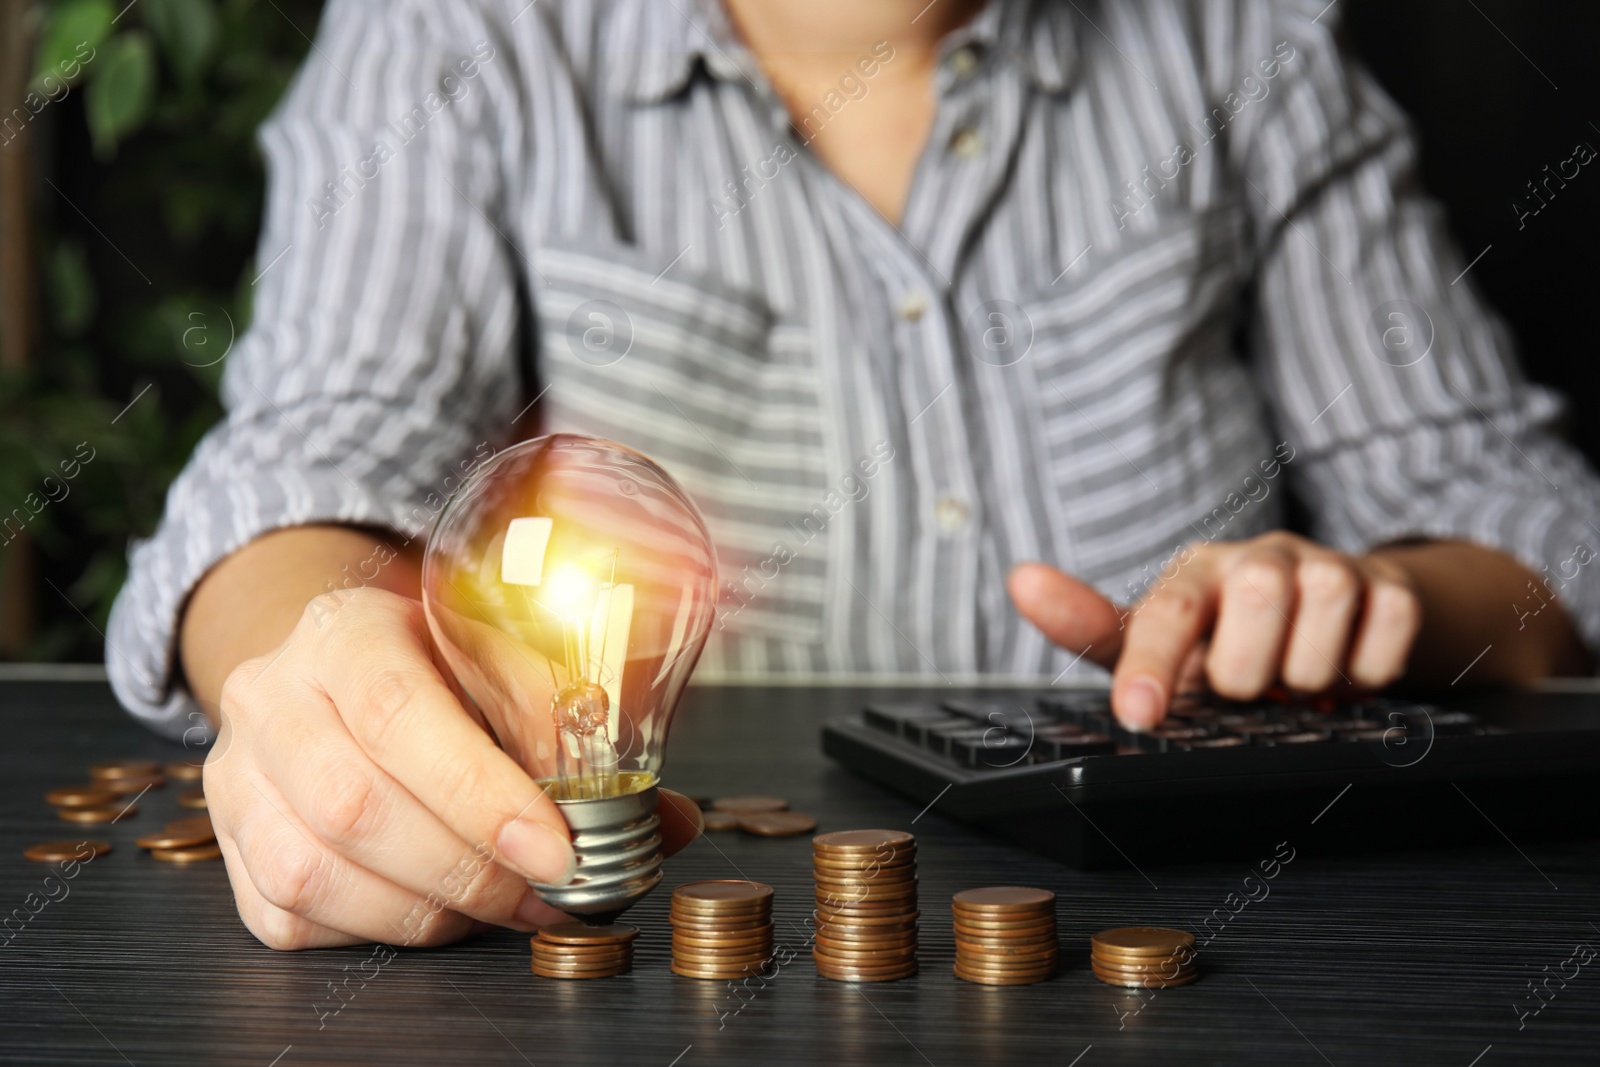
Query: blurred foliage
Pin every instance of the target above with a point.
(147, 217)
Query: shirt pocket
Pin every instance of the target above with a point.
(1148, 417)
(707, 380)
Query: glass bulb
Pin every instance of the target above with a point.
(570, 584)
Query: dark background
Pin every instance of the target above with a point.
(1497, 89)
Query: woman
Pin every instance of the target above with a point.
(907, 295)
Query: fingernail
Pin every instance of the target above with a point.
(537, 852)
(1139, 704)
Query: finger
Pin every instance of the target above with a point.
(1390, 619)
(1255, 602)
(274, 927)
(295, 873)
(1329, 590)
(681, 821)
(354, 807)
(1070, 613)
(406, 720)
(1162, 631)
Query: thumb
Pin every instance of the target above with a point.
(1071, 613)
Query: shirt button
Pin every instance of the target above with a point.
(966, 143)
(963, 62)
(950, 513)
(912, 305)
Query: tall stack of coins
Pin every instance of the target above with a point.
(721, 929)
(1005, 935)
(866, 905)
(578, 950)
(1150, 957)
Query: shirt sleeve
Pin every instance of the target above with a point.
(380, 359)
(1397, 388)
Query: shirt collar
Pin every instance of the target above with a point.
(655, 47)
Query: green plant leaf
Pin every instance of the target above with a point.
(121, 89)
(72, 292)
(188, 31)
(71, 41)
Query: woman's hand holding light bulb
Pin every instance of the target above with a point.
(356, 799)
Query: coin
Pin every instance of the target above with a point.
(197, 854)
(184, 772)
(719, 944)
(838, 945)
(723, 894)
(980, 978)
(856, 973)
(125, 768)
(96, 815)
(544, 970)
(1149, 981)
(192, 798)
(717, 971)
(124, 786)
(776, 823)
(852, 933)
(893, 953)
(866, 892)
(749, 805)
(720, 820)
(1006, 948)
(698, 925)
(884, 843)
(81, 796)
(584, 934)
(555, 950)
(1003, 900)
(1141, 941)
(829, 916)
(192, 824)
(170, 839)
(1047, 922)
(864, 868)
(63, 851)
(979, 961)
(1173, 971)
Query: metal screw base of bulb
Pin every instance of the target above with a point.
(618, 846)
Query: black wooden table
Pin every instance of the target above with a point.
(1420, 957)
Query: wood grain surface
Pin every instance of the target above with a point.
(1420, 957)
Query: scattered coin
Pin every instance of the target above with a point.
(81, 796)
(63, 851)
(192, 798)
(749, 805)
(133, 784)
(110, 813)
(776, 823)
(185, 772)
(169, 838)
(720, 820)
(195, 854)
(124, 768)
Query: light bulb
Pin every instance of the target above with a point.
(569, 584)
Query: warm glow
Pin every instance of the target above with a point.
(568, 593)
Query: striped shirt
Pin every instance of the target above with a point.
(1162, 262)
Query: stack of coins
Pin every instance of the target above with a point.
(578, 950)
(721, 929)
(866, 905)
(1150, 957)
(1005, 935)
(190, 840)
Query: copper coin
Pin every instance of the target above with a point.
(197, 854)
(868, 906)
(867, 868)
(749, 805)
(884, 844)
(544, 971)
(722, 893)
(724, 959)
(890, 954)
(96, 815)
(1101, 952)
(1003, 900)
(993, 979)
(862, 892)
(704, 928)
(192, 798)
(184, 772)
(586, 963)
(1006, 948)
(854, 935)
(720, 820)
(1005, 925)
(584, 934)
(776, 823)
(1148, 981)
(703, 945)
(838, 946)
(125, 768)
(853, 973)
(1161, 973)
(168, 839)
(1142, 941)
(979, 961)
(831, 917)
(81, 796)
(1113, 959)
(127, 786)
(192, 824)
(978, 933)
(64, 851)
(902, 876)
(576, 953)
